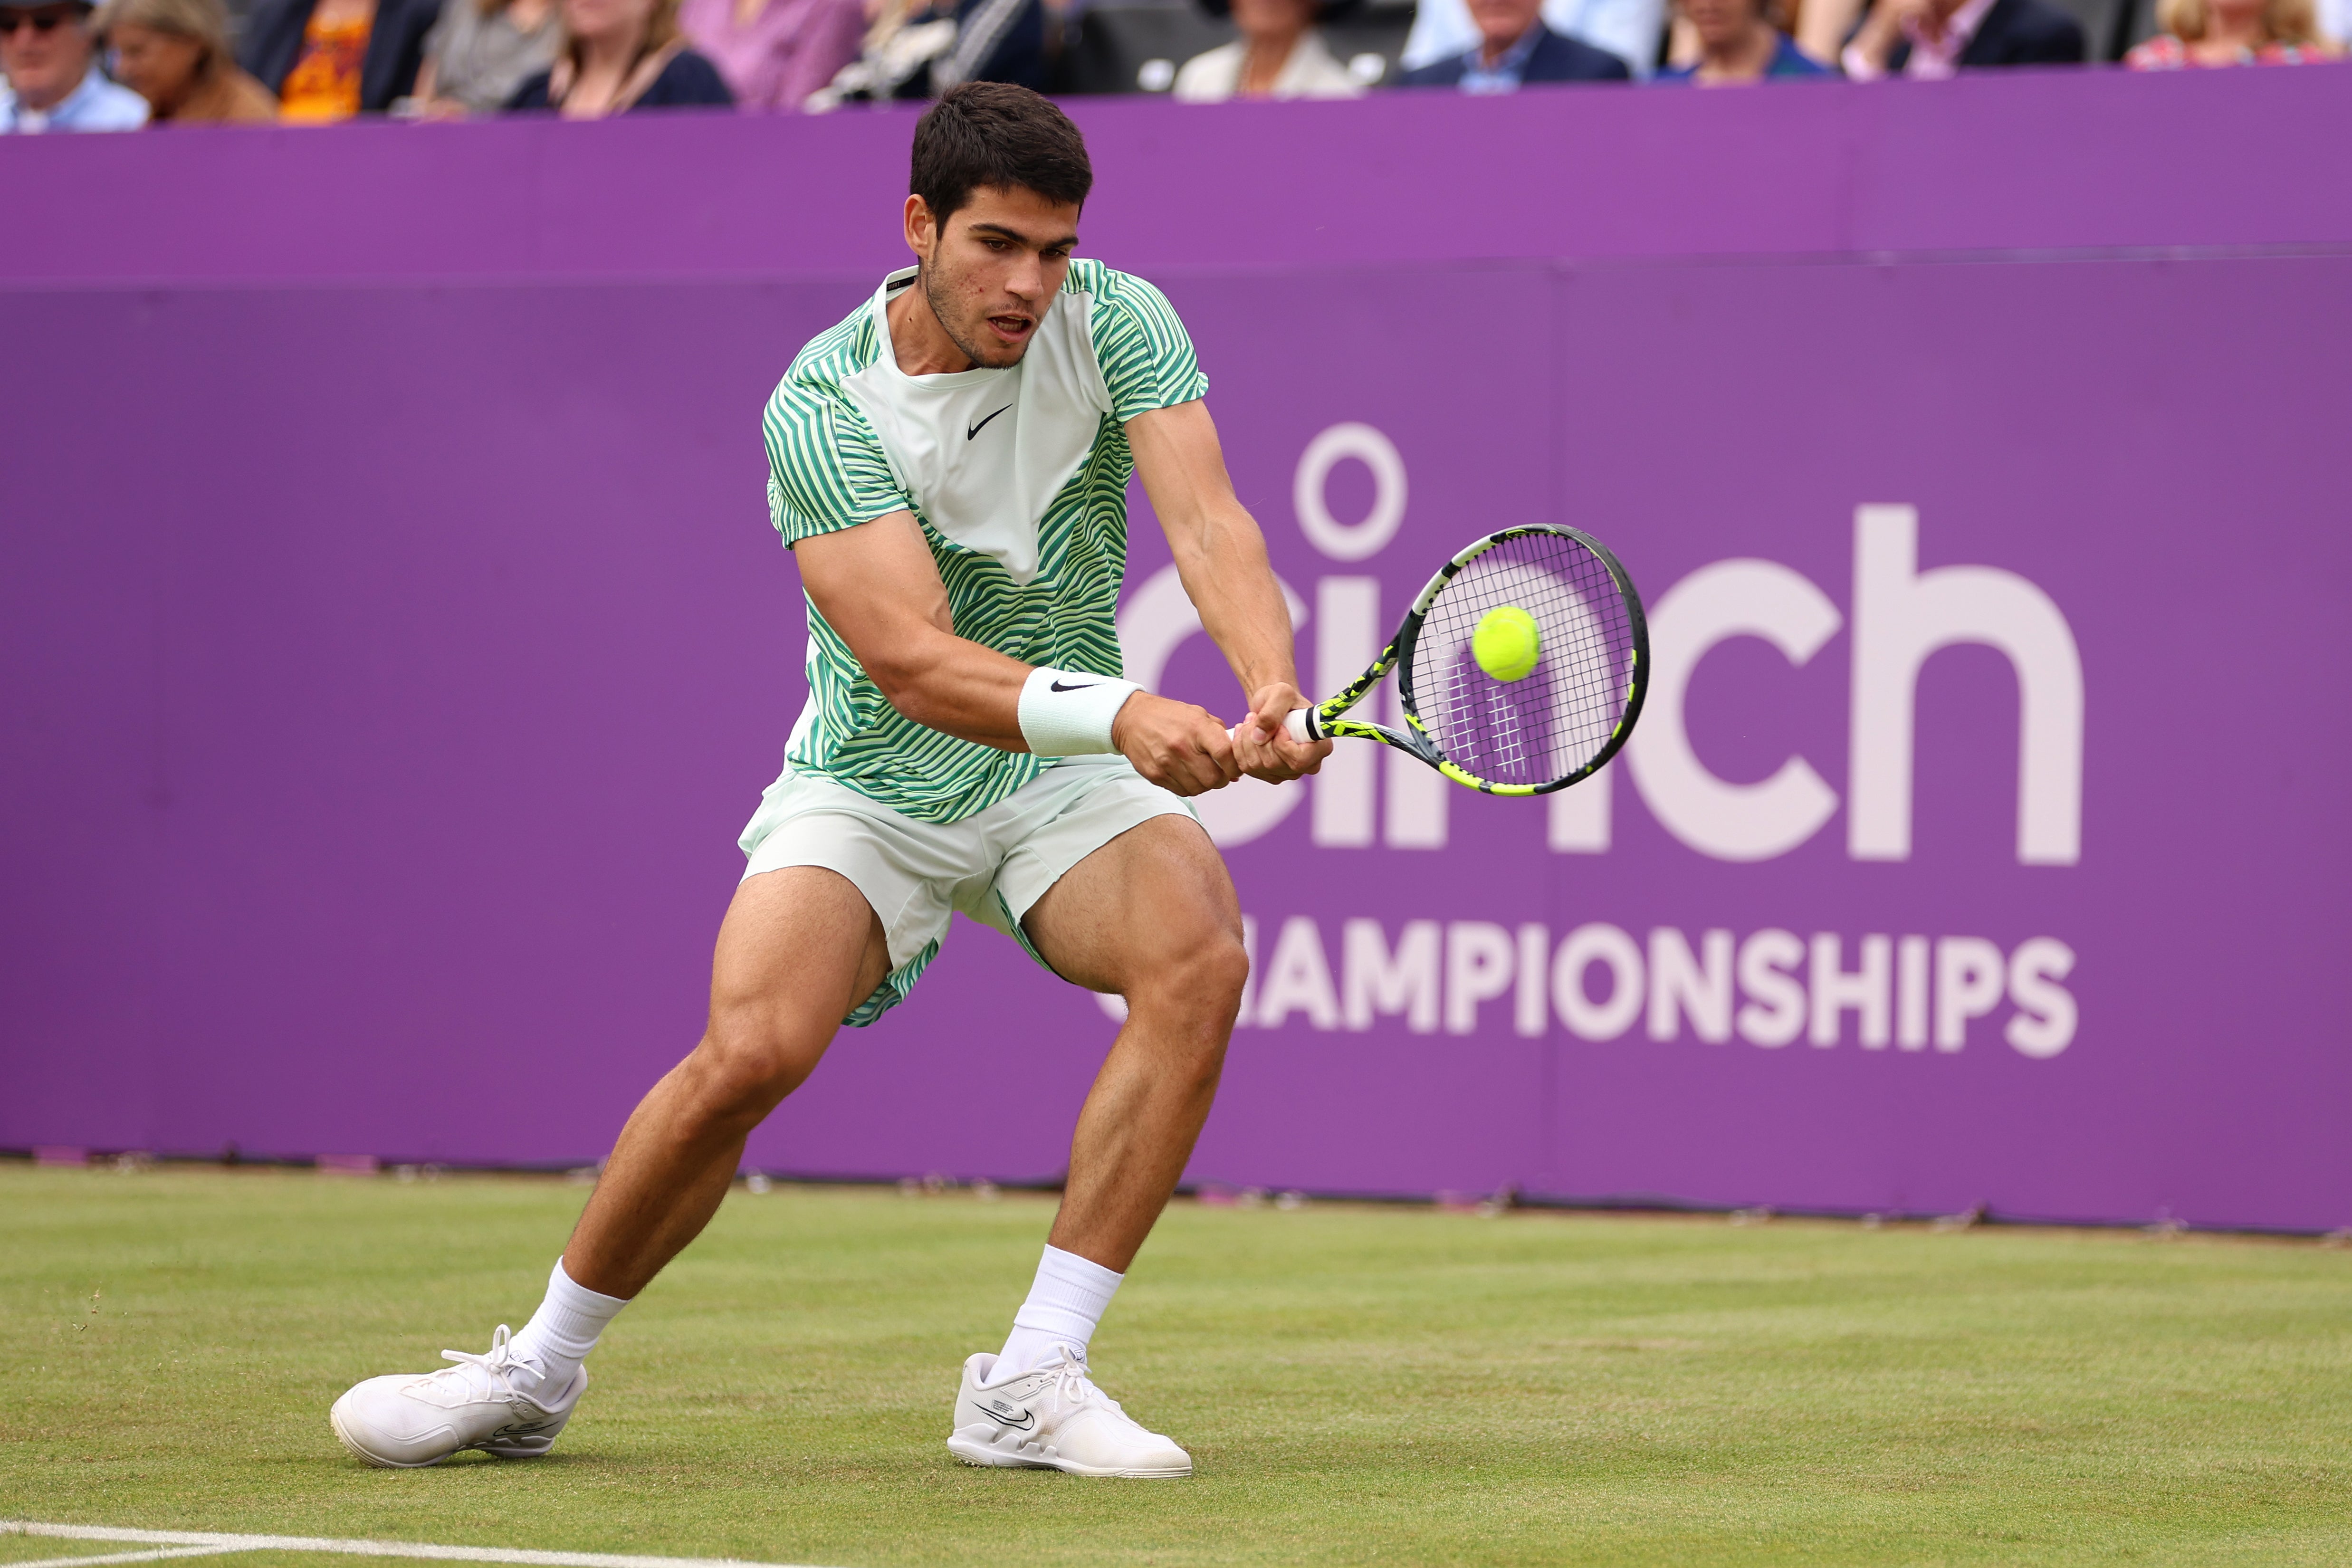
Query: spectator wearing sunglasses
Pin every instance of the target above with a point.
(51, 59)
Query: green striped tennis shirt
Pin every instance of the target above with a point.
(1019, 480)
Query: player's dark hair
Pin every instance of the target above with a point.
(995, 134)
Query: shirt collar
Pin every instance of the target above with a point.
(72, 106)
(1512, 67)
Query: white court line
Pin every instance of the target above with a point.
(207, 1541)
(126, 1557)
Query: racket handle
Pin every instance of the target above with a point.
(1300, 726)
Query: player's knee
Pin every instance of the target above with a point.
(1220, 969)
(749, 1061)
(1201, 984)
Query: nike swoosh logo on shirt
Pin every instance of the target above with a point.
(976, 429)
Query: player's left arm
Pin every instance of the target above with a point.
(1220, 556)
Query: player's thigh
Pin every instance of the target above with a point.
(798, 950)
(1152, 907)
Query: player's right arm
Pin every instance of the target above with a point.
(877, 587)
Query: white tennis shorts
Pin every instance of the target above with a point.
(994, 866)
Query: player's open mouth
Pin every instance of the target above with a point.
(1011, 328)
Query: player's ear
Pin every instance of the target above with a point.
(922, 234)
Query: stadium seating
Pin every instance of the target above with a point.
(1136, 46)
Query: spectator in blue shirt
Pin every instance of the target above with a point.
(54, 82)
(1629, 29)
(1515, 49)
(1739, 41)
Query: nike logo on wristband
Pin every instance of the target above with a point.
(1057, 685)
(972, 430)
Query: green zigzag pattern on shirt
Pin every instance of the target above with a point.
(828, 472)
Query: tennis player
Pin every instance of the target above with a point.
(950, 468)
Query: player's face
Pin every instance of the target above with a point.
(991, 271)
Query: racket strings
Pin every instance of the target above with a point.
(1511, 744)
(1550, 724)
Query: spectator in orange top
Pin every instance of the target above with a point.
(2233, 33)
(329, 60)
(174, 54)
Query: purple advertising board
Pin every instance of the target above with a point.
(394, 641)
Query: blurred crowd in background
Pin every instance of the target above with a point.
(128, 64)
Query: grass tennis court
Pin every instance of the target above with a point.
(1355, 1384)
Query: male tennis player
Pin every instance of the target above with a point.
(950, 468)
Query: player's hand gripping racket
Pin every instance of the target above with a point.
(1521, 668)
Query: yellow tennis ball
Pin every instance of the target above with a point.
(1507, 644)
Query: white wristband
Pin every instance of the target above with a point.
(1067, 713)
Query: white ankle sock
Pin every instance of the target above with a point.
(1066, 1301)
(565, 1328)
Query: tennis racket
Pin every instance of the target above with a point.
(1555, 721)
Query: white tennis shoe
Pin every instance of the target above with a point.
(401, 1423)
(1055, 1418)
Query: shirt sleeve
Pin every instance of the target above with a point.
(825, 469)
(1145, 353)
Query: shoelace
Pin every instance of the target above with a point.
(1072, 1387)
(494, 1366)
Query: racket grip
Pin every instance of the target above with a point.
(1300, 726)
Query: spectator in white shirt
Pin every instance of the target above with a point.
(1280, 53)
(54, 83)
